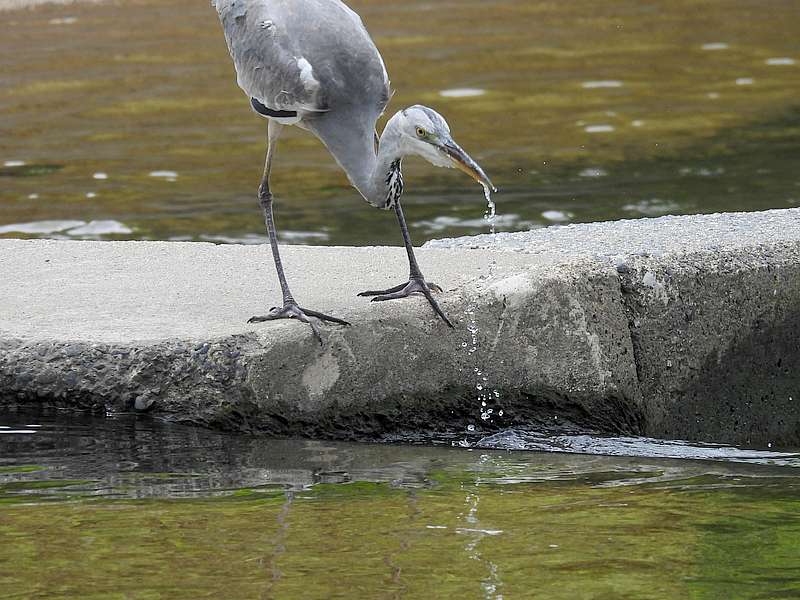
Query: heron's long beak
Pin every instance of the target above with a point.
(463, 161)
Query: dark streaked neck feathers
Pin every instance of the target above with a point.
(394, 183)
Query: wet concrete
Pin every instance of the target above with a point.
(676, 327)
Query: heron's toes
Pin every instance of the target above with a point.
(391, 296)
(414, 286)
(324, 317)
(292, 311)
(397, 288)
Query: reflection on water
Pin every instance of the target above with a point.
(99, 508)
(541, 94)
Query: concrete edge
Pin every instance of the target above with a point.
(699, 345)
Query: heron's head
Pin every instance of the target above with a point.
(424, 132)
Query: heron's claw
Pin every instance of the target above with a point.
(292, 311)
(414, 286)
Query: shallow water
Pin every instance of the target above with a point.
(126, 507)
(128, 123)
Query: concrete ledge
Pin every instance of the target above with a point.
(680, 327)
(713, 308)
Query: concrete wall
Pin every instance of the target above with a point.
(683, 327)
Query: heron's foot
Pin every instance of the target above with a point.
(292, 311)
(415, 285)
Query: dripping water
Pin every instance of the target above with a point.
(486, 396)
(490, 216)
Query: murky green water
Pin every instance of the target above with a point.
(132, 508)
(130, 124)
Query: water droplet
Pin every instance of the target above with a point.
(491, 211)
(470, 427)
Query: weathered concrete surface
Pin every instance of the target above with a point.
(163, 326)
(713, 305)
(679, 327)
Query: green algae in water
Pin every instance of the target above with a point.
(456, 539)
(161, 511)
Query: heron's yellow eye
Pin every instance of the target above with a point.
(421, 132)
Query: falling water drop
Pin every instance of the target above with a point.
(482, 385)
(491, 210)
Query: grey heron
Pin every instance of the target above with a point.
(312, 63)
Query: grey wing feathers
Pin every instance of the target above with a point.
(302, 55)
(266, 69)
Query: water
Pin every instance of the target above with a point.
(132, 507)
(642, 96)
(487, 398)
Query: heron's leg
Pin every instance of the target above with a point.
(416, 281)
(265, 200)
(290, 308)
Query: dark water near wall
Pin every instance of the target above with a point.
(129, 123)
(133, 508)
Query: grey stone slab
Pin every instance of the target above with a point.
(682, 327)
(713, 305)
(162, 326)
(717, 341)
(614, 241)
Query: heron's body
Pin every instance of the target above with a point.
(339, 79)
(312, 63)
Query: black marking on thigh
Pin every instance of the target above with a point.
(268, 112)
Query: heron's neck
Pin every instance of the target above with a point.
(381, 182)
